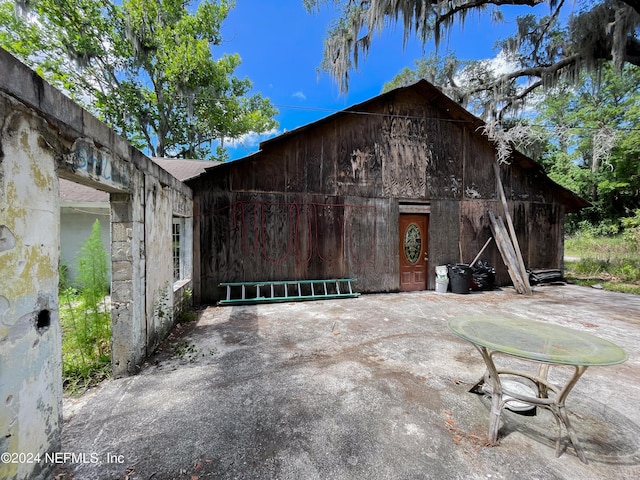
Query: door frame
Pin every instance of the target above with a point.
(423, 258)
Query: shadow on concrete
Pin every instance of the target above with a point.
(375, 388)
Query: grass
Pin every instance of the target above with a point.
(612, 262)
(86, 342)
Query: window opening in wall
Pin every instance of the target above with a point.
(177, 249)
(181, 238)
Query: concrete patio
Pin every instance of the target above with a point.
(374, 387)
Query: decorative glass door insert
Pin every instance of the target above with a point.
(412, 243)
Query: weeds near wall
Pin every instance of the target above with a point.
(186, 313)
(86, 319)
(163, 308)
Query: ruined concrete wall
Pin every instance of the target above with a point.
(128, 282)
(165, 302)
(30, 336)
(159, 215)
(44, 136)
(143, 200)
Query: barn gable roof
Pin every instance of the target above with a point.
(430, 92)
(435, 97)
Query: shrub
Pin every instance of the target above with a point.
(86, 319)
(632, 230)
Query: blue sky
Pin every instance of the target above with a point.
(281, 49)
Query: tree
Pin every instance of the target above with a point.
(86, 319)
(461, 80)
(145, 67)
(596, 141)
(92, 268)
(543, 51)
(436, 69)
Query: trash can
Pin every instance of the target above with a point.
(460, 277)
(442, 285)
(442, 280)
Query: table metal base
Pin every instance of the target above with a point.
(556, 403)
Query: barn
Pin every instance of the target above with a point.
(382, 192)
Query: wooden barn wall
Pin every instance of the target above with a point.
(475, 229)
(538, 229)
(324, 202)
(545, 230)
(444, 236)
(479, 175)
(420, 150)
(267, 236)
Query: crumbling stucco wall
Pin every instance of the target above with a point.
(45, 136)
(160, 304)
(30, 337)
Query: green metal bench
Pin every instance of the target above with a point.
(287, 291)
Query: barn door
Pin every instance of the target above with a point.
(413, 252)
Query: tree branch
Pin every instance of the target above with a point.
(438, 18)
(539, 72)
(446, 18)
(521, 95)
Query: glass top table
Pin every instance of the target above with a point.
(543, 343)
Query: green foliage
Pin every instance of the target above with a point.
(189, 352)
(589, 241)
(186, 313)
(608, 177)
(143, 66)
(609, 261)
(162, 307)
(85, 318)
(86, 335)
(92, 268)
(63, 276)
(548, 45)
(632, 231)
(435, 69)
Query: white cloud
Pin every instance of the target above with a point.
(252, 139)
(502, 64)
(299, 95)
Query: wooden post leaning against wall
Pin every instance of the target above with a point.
(506, 249)
(512, 232)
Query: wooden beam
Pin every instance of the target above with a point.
(507, 251)
(522, 276)
(486, 244)
(512, 232)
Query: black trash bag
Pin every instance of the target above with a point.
(483, 276)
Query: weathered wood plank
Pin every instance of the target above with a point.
(512, 232)
(505, 246)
